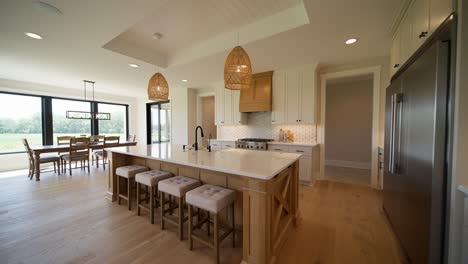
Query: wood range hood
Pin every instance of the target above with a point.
(257, 98)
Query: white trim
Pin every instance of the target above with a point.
(349, 164)
(375, 71)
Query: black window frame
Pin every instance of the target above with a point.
(149, 125)
(47, 120)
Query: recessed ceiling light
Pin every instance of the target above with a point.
(351, 41)
(184, 80)
(33, 35)
(134, 65)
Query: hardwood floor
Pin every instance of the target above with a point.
(348, 175)
(64, 219)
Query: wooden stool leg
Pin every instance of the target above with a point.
(208, 224)
(162, 210)
(129, 194)
(118, 189)
(69, 167)
(181, 218)
(216, 237)
(233, 223)
(151, 204)
(55, 168)
(138, 198)
(190, 225)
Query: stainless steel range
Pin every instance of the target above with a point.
(253, 143)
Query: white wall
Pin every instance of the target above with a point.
(348, 132)
(179, 113)
(20, 161)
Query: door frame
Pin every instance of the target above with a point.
(376, 77)
(149, 124)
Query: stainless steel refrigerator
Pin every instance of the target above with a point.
(415, 171)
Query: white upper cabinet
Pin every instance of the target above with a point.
(294, 95)
(227, 107)
(278, 115)
(419, 21)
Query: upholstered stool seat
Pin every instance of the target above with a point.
(212, 199)
(129, 173)
(178, 186)
(149, 179)
(175, 187)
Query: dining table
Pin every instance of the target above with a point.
(38, 150)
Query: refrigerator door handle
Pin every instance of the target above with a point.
(391, 159)
(397, 136)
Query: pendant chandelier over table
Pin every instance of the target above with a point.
(94, 115)
(237, 69)
(158, 89)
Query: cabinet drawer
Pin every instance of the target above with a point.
(215, 144)
(278, 148)
(301, 150)
(228, 144)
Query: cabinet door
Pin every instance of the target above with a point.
(292, 95)
(219, 102)
(406, 36)
(419, 12)
(228, 107)
(439, 11)
(279, 98)
(307, 96)
(305, 168)
(395, 53)
(238, 118)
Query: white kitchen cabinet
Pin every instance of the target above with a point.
(305, 162)
(294, 95)
(227, 107)
(238, 118)
(420, 20)
(278, 114)
(395, 57)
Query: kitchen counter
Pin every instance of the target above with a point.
(266, 186)
(262, 165)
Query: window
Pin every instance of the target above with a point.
(69, 127)
(117, 126)
(20, 117)
(159, 122)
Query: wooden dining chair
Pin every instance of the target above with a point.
(44, 159)
(93, 140)
(108, 143)
(78, 151)
(131, 138)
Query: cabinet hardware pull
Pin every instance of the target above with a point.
(276, 149)
(423, 34)
(396, 65)
(300, 151)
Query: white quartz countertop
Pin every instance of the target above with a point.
(463, 189)
(292, 143)
(263, 165)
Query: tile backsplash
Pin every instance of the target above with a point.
(259, 126)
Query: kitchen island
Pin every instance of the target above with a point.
(266, 184)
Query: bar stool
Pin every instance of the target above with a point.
(212, 199)
(175, 187)
(127, 172)
(149, 179)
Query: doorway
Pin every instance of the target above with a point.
(158, 122)
(348, 129)
(340, 158)
(206, 115)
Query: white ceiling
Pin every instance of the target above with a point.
(197, 37)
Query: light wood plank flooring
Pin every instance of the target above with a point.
(64, 219)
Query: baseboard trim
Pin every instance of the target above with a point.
(348, 164)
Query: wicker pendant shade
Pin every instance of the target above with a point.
(158, 89)
(237, 70)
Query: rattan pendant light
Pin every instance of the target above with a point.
(237, 70)
(158, 89)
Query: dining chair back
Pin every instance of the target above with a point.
(28, 150)
(78, 151)
(131, 138)
(111, 141)
(97, 139)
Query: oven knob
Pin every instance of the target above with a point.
(258, 147)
